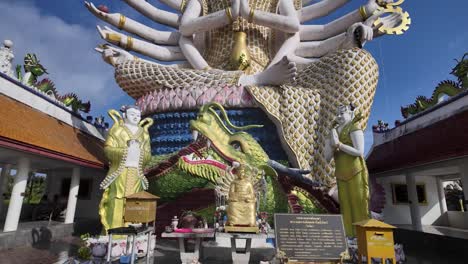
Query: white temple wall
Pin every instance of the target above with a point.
(399, 213)
(88, 202)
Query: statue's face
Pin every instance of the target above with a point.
(344, 115)
(132, 116)
(241, 173)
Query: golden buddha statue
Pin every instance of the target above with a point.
(241, 209)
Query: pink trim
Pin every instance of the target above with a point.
(13, 144)
(191, 98)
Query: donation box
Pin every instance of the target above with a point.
(140, 207)
(375, 240)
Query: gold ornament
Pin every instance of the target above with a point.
(382, 3)
(229, 15)
(240, 57)
(129, 44)
(183, 4)
(251, 15)
(113, 37)
(363, 13)
(121, 21)
(398, 30)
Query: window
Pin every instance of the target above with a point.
(84, 192)
(400, 193)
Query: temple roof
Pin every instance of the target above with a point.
(27, 129)
(431, 138)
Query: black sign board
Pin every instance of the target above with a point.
(309, 237)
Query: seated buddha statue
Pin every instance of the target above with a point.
(241, 209)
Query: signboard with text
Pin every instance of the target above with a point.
(309, 237)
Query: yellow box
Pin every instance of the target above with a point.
(140, 207)
(375, 240)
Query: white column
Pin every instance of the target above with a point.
(48, 190)
(73, 196)
(17, 195)
(413, 200)
(441, 193)
(6, 171)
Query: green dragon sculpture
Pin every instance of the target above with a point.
(444, 88)
(34, 69)
(203, 164)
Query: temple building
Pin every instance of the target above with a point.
(418, 158)
(39, 135)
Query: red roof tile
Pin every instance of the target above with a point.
(27, 129)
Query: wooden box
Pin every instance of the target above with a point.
(375, 240)
(140, 207)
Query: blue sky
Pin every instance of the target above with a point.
(62, 34)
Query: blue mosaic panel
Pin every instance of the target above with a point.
(171, 131)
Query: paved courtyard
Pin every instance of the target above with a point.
(167, 252)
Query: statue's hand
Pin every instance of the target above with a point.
(334, 138)
(113, 55)
(357, 35)
(93, 9)
(132, 143)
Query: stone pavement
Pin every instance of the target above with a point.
(57, 252)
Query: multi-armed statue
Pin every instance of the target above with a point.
(296, 73)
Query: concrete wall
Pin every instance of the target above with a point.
(399, 214)
(458, 219)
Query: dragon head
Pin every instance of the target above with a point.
(76, 104)
(461, 71)
(32, 64)
(220, 145)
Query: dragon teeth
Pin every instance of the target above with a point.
(190, 156)
(195, 135)
(208, 143)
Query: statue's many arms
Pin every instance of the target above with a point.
(297, 73)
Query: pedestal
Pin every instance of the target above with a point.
(242, 255)
(185, 256)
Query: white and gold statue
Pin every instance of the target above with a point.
(346, 146)
(296, 73)
(127, 148)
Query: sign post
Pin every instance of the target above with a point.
(309, 237)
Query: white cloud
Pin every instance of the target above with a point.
(66, 50)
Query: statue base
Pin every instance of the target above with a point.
(241, 229)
